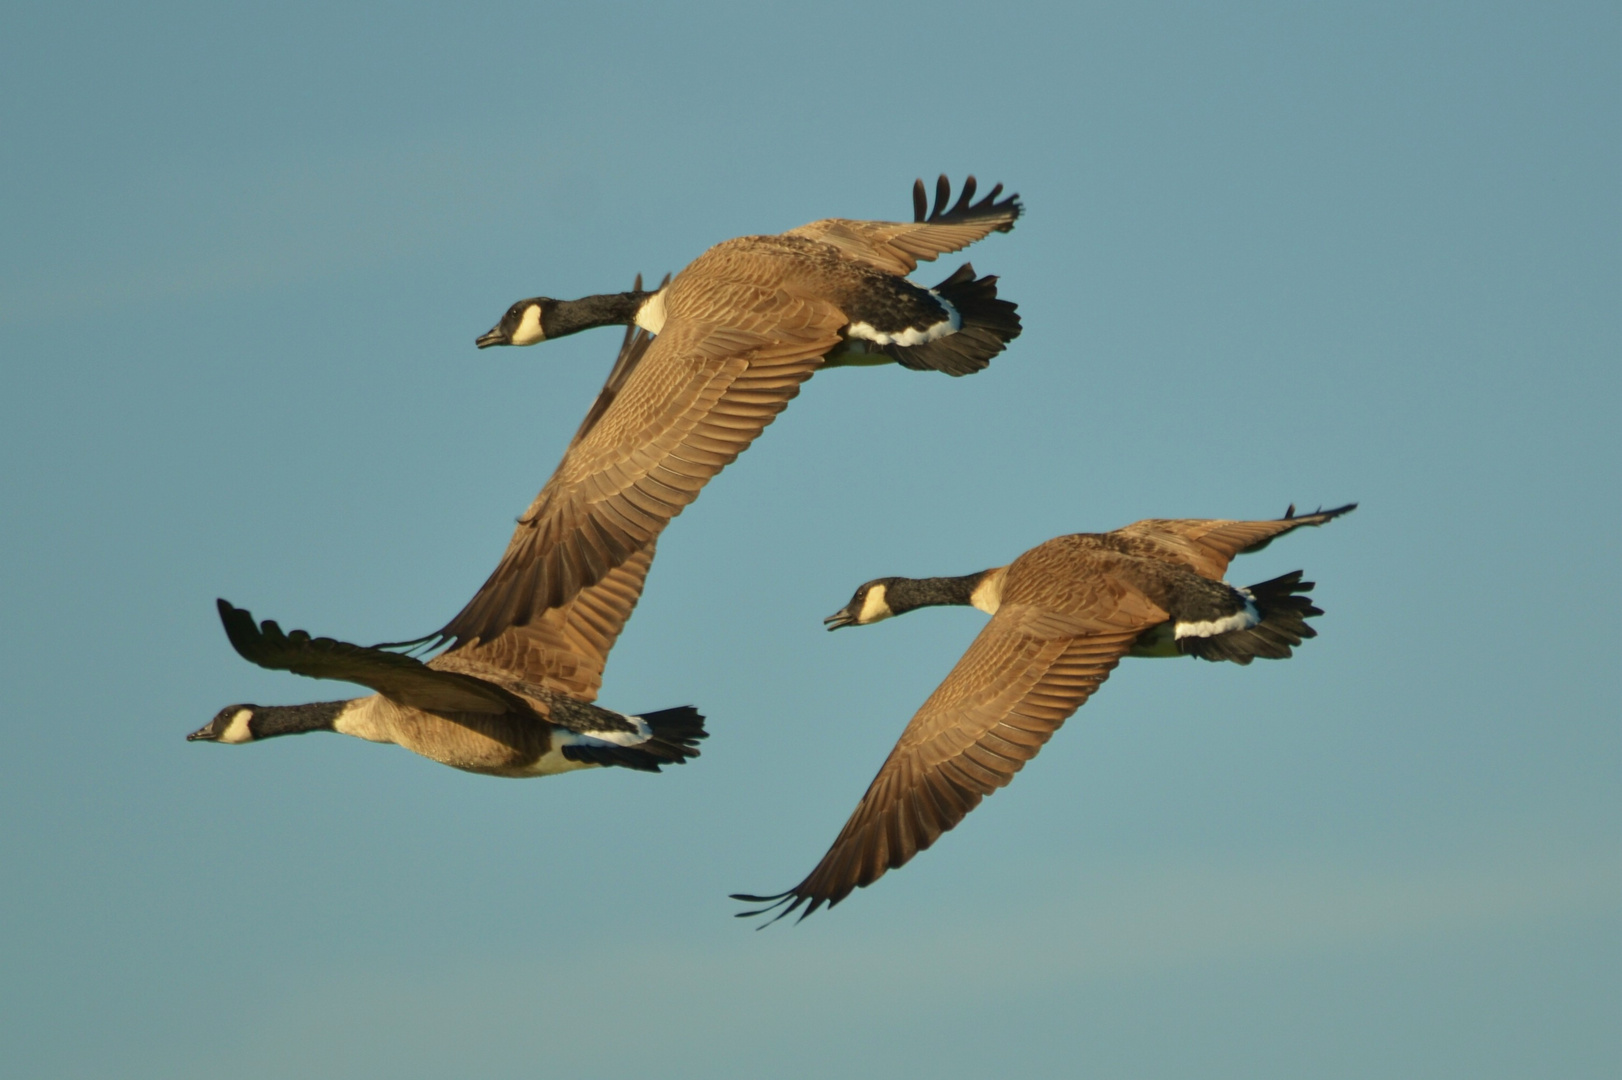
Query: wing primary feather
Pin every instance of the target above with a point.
(967, 195)
(239, 626)
(416, 646)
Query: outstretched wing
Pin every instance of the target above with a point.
(402, 678)
(896, 246)
(564, 648)
(1208, 546)
(1028, 670)
(705, 388)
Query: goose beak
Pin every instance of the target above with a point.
(205, 732)
(842, 617)
(493, 336)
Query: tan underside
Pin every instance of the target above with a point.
(489, 743)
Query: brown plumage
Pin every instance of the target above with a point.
(519, 704)
(742, 327)
(1068, 611)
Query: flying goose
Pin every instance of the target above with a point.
(519, 704)
(738, 331)
(1063, 615)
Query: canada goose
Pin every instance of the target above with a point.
(1063, 615)
(517, 705)
(738, 331)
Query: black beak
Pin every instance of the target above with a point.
(493, 336)
(206, 732)
(842, 617)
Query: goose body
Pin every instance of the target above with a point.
(738, 330)
(520, 704)
(858, 267)
(1064, 614)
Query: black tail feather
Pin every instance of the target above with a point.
(1284, 609)
(989, 324)
(675, 739)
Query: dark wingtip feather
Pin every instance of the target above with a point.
(1327, 515)
(966, 195)
(965, 209)
(786, 901)
(416, 646)
(240, 629)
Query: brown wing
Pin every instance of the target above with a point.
(699, 396)
(1208, 546)
(896, 246)
(564, 648)
(632, 350)
(1029, 669)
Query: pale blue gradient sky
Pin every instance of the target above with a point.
(1274, 252)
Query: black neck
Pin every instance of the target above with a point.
(605, 309)
(271, 720)
(904, 594)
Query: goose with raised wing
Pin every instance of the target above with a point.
(739, 329)
(519, 704)
(1063, 615)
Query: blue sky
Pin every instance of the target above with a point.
(1273, 253)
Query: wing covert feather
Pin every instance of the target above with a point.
(1208, 545)
(896, 246)
(564, 648)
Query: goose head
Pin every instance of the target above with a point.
(230, 725)
(869, 605)
(523, 324)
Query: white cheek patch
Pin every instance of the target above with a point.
(911, 336)
(236, 731)
(1239, 620)
(874, 606)
(651, 315)
(529, 327)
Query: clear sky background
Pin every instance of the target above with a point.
(1273, 253)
